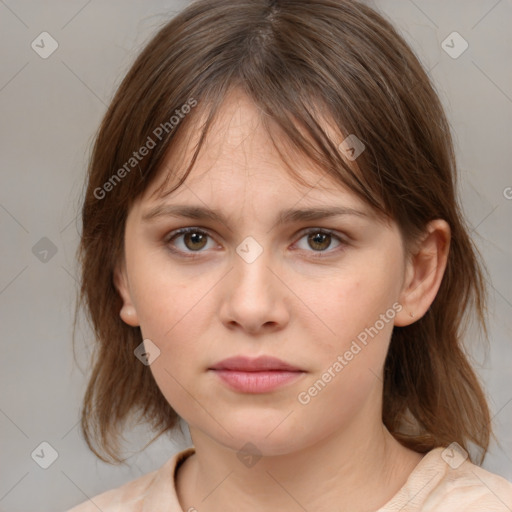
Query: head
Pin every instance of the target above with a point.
(248, 110)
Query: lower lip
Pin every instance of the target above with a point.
(257, 382)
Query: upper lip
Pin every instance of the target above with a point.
(248, 364)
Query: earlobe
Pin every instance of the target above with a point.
(127, 313)
(424, 273)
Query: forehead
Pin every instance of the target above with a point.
(240, 157)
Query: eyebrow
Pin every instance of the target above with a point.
(284, 217)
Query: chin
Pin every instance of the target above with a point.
(265, 437)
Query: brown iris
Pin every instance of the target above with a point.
(197, 240)
(319, 241)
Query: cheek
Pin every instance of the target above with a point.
(174, 313)
(358, 308)
(163, 297)
(346, 395)
(169, 311)
(349, 363)
(173, 320)
(351, 302)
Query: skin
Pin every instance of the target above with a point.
(332, 453)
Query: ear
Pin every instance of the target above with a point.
(127, 313)
(424, 272)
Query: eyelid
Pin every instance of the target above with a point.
(182, 231)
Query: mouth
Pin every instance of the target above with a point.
(259, 375)
(258, 364)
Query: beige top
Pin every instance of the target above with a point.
(433, 486)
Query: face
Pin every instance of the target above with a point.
(318, 291)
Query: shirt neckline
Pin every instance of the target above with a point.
(168, 486)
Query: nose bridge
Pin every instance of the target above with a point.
(253, 295)
(251, 266)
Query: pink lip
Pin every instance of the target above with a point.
(258, 375)
(258, 364)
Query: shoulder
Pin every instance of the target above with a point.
(138, 495)
(472, 489)
(127, 497)
(445, 481)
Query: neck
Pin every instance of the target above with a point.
(356, 470)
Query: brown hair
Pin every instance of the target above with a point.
(289, 57)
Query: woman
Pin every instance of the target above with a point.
(272, 250)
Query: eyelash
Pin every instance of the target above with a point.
(194, 254)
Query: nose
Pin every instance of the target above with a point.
(254, 298)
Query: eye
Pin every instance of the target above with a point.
(187, 241)
(320, 240)
(190, 240)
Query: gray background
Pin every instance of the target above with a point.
(50, 110)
